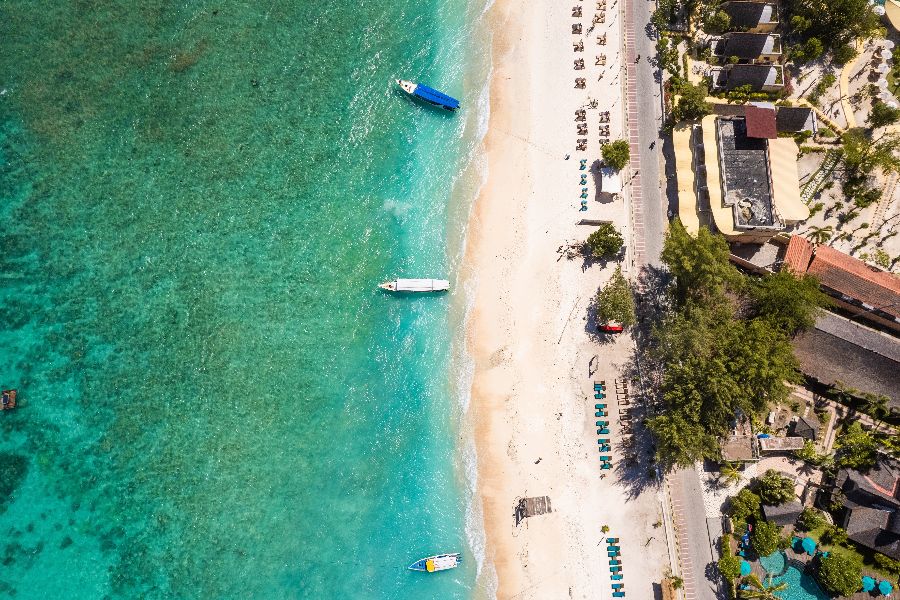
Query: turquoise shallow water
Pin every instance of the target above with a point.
(197, 202)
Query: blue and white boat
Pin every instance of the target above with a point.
(441, 562)
(428, 94)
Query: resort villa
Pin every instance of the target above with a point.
(752, 17)
(871, 513)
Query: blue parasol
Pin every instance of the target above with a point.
(885, 588)
(868, 584)
(809, 545)
(746, 569)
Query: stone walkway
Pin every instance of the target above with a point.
(631, 115)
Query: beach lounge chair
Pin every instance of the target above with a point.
(616, 577)
(603, 431)
(606, 458)
(604, 441)
(599, 406)
(605, 448)
(598, 385)
(613, 561)
(613, 548)
(618, 586)
(599, 395)
(606, 465)
(618, 594)
(601, 413)
(612, 554)
(612, 540)
(615, 569)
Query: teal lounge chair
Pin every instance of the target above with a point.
(599, 406)
(606, 465)
(605, 448)
(604, 440)
(603, 431)
(613, 561)
(615, 569)
(618, 586)
(610, 540)
(606, 458)
(613, 548)
(618, 594)
(602, 423)
(601, 413)
(600, 396)
(616, 577)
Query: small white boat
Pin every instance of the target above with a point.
(416, 285)
(433, 564)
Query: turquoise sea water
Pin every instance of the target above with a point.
(197, 202)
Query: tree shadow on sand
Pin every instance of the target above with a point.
(638, 472)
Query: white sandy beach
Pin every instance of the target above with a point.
(532, 400)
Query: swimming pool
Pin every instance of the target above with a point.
(800, 586)
(775, 564)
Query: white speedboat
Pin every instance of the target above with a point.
(416, 285)
(433, 564)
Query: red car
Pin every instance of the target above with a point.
(611, 327)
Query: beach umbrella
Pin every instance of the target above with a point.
(809, 545)
(746, 569)
(885, 588)
(868, 584)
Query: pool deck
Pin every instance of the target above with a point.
(795, 557)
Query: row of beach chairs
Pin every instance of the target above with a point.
(615, 567)
(603, 443)
(624, 401)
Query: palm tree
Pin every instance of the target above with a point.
(875, 405)
(820, 235)
(729, 473)
(759, 591)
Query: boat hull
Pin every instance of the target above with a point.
(440, 562)
(429, 95)
(416, 285)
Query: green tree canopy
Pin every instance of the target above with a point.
(840, 574)
(615, 301)
(810, 519)
(774, 488)
(882, 115)
(743, 505)
(809, 50)
(729, 564)
(681, 442)
(856, 448)
(765, 537)
(863, 155)
(616, 154)
(605, 242)
(716, 21)
(788, 303)
(700, 265)
(835, 22)
(692, 104)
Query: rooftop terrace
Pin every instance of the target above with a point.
(746, 180)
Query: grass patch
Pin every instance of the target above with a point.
(864, 555)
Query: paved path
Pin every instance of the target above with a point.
(643, 115)
(694, 552)
(844, 88)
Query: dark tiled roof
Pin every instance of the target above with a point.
(794, 118)
(871, 527)
(829, 359)
(747, 14)
(783, 514)
(760, 122)
(807, 426)
(746, 45)
(756, 76)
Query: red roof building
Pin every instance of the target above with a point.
(760, 122)
(850, 280)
